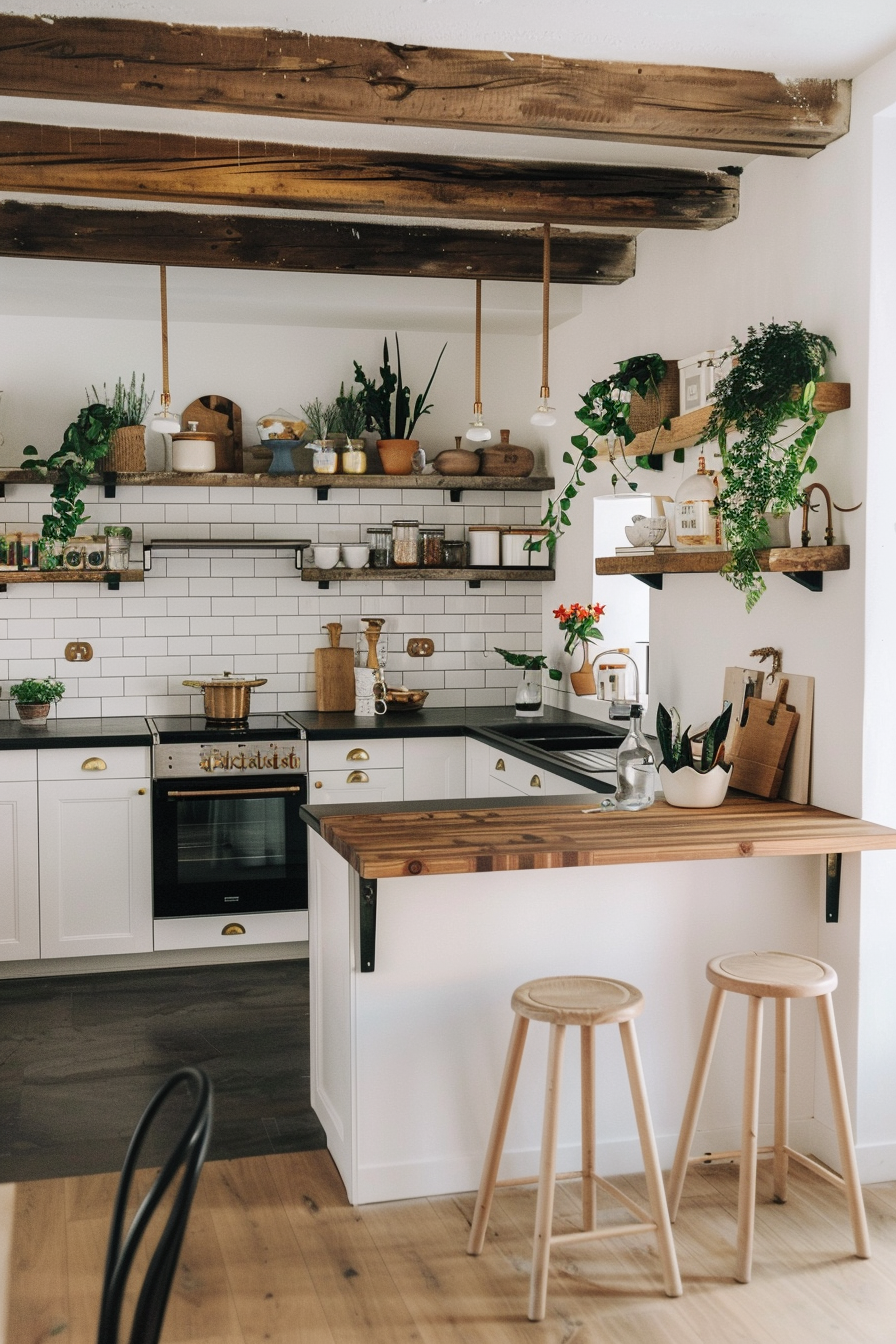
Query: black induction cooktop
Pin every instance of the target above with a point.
(196, 728)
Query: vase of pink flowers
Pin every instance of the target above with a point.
(580, 626)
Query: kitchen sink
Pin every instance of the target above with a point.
(558, 737)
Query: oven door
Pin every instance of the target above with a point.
(225, 846)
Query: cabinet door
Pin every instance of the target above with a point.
(95, 867)
(498, 788)
(434, 767)
(19, 909)
(354, 786)
(477, 769)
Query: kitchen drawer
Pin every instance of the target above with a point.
(68, 763)
(368, 786)
(518, 774)
(362, 753)
(17, 765)
(499, 788)
(274, 926)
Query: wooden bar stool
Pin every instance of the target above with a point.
(586, 1002)
(781, 976)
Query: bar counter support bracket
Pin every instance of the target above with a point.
(367, 925)
(110, 481)
(832, 888)
(810, 578)
(652, 580)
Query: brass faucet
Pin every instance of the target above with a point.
(829, 530)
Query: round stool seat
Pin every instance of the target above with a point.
(772, 975)
(577, 1000)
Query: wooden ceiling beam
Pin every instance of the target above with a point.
(268, 243)
(141, 165)
(349, 79)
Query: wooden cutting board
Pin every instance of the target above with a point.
(223, 418)
(762, 744)
(334, 671)
(796, 784)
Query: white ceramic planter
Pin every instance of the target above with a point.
(691, 788)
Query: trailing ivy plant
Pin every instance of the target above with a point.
(605, 411)
(86, 440)
(773, 382)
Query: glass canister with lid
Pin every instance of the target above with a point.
(380, 541)
(118, 545)
(432, 547)
(405, 542)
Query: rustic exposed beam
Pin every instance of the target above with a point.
(258, 242)
(349, 79)
(148, 166)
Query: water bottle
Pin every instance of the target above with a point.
(634, 768)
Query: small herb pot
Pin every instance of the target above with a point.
(695, 788)
(34, 715)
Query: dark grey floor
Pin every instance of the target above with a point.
(80, 1056)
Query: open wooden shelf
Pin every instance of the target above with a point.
(474, 577)
(803, 564)
(112, 577)
(687, 429)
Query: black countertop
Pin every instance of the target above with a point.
(115, 732)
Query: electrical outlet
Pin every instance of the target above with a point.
(78, 651)
(420, 648)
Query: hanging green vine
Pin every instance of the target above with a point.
(773, 381)
(86, 440)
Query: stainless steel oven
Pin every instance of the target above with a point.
(227, 837)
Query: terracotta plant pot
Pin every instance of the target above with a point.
(396, 454)
(583, 680)
(36, 715)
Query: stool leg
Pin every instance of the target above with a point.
(589, 1193)
(782, 1099)
(843, 1127)
(496, 1138)
(656, 1195)
(746, 1193)
(547, 1171)
(695, 1097)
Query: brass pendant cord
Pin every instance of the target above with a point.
(477, 391)
(545, 311)
(163, 286)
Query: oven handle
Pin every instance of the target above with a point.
(229, 793)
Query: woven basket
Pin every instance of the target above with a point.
(648, 412)
(128, 452)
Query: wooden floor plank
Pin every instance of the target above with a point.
(38, 1284)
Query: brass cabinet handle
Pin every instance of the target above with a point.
(357, 754)
(232, 928)
(318, 783)
(357, 777)
(141, 791)
(93, 763)
(499, 764)
(534, 782)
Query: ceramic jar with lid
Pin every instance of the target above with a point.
(192, 451)
(514, 552)
(485, 545)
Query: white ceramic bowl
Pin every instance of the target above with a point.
(325, 557)
(646, 531)
(693, 788)
(355, 557)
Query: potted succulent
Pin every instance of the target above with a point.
(84, 443)
(33, 699)
(396, 446)
(688, 781)
(528, 695)
(130, 404)
(579, 626)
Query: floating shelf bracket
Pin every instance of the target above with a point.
(367, 924)
(323, 583)
(652, 580)
(323, 493)
(454, 494)
(474, 583)
(110, 482)
(832, 888)
(811, 579)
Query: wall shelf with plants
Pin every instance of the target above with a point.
(806, 565)
(111, 577)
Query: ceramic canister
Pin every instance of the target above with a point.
(192, 452)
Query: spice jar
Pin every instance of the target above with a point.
(325, 459)
(485, 544)
(432, 547)
(379, 540)
(455, 554)
(405, 542)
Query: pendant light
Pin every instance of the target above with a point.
(545, 416)
(164, 422)
(477, 432)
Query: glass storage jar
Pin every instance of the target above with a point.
(380, 541)
(455, 553)
(405, 542)
(118, 546)
(432, 547)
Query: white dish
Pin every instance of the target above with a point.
(325, 557)
(355, 557)
(646, 531)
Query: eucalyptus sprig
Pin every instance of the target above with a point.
(773, 381)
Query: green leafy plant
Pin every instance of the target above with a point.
(773, 382)
(377, 400)
(130, 403)
(30, 691)
(605, 411)
(531, 662)
(351, 416)
(322, 420)
(86, 440)
(678, 748)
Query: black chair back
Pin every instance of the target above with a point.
(188, 1154)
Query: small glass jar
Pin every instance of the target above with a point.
(380, 541)
(118, 546)
(29, 550)
(354, 458)
(326, 459)
(455, 553)
(405, 542)
(432, 547)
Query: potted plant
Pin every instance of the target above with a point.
(773, 381)
(322, 423)
(579, 626)
(686, 781)
(84, 443)
(33, 699)
(528, 695)
(352, 421)
(396, 446)
(130, 404)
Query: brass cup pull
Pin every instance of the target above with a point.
(535, 782)
(357, 754)
(499, 764)
(141, 791)
(357, 777)
(93, 763)
(318, 783)
(232, 928)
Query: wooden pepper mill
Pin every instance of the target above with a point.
(372, 635)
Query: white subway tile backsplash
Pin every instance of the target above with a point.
(198, 644)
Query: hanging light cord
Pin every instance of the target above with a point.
(477, 393)
(163, 285)
(545, 310)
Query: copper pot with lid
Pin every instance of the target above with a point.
(227, 697)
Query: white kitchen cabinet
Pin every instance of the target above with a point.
(434, 767)
(477, 768)
(499, 788)
(19, 896)
(95, 856)
(354, 784)
(556, 784)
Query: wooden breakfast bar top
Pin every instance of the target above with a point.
(411, 842)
